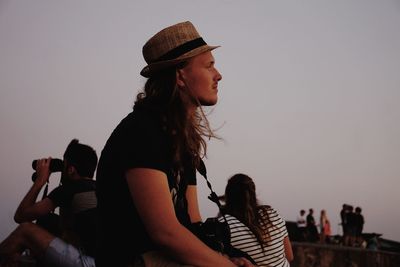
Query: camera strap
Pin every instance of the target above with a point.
(229, 249)
(46, 189)
(213, 196)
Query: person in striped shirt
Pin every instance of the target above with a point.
(255, 229)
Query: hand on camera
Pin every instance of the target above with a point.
(43, 171)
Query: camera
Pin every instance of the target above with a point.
(217, 235)
(56, 165)
(213, 233)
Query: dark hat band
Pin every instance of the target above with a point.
(182, 49)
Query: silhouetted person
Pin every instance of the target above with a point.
(343, 217)
(325, 227)
(301, 225)
(312, 231)
(349, 238)
(359, 225)
(146, 178)
(77, 202)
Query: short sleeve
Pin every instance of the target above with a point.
(191, 176)
(143, 144)
(279, 225)
(58, 195)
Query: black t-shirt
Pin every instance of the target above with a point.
(310, 220)
(77, 202)
(358, 222)
(139, 141)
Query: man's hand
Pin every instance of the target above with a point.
(28, 210)
(242, 262)
(43, 171)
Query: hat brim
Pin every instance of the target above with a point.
(157, 66)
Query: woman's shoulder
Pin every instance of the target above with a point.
(266, 209)
(270, 212)
(229, 218)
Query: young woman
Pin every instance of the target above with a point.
(255, 229)
(325, 227)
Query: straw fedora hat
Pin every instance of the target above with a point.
(171, 46)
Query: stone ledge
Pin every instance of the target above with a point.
(319, 255)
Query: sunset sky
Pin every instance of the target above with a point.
(308, 104)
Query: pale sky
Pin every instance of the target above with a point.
(308, 104)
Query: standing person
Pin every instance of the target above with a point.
(147, 170)
(359, 225)
(325, 227)
(301, 224)
(343, 218)
(312, 231)
(76, 199)
(255, 229)
(350, 236)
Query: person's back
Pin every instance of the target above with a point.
(272, 253)
(119, 221)
(263, 235)
(78, 204)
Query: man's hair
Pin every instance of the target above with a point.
(188, 133)
(82, 157)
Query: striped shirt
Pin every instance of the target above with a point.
(242, 238)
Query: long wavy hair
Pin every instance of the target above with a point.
(241, 202)
(187, 131)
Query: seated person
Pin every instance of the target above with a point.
(76, 199)
(255, 229)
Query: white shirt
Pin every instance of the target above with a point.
(274, 252)
(301, 221)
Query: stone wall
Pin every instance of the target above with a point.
(316, 255)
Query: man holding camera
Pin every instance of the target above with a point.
(76, 199)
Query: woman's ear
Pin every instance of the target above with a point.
(180, 81)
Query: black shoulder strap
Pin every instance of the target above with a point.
(46, 189)
(213, 196)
